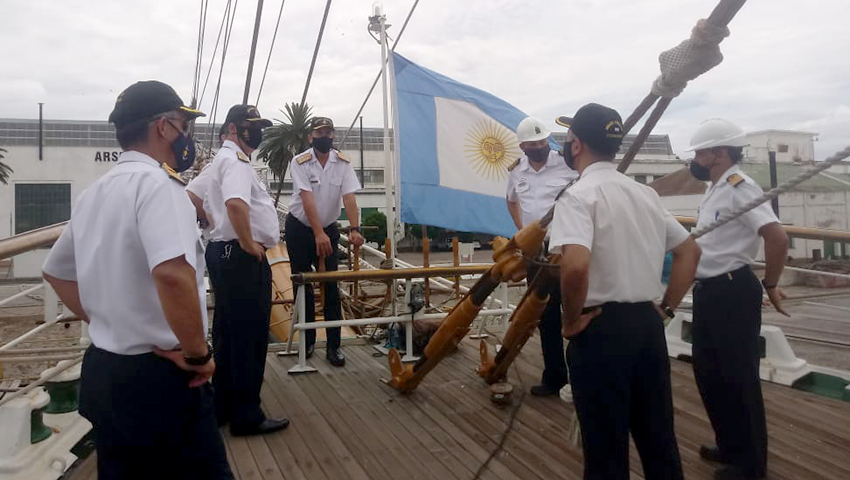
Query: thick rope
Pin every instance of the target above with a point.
(680, 64)
(785, 187)
(690, 59)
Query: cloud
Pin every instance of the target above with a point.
(784, 66)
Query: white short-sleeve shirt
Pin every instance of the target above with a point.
(199, 186)
(626, 229)
(128, 222)
(736, 243)
(535, 190)
(234, 177)
(328, 184)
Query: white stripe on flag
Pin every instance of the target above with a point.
(473, 150)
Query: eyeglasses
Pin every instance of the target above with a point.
(184, 124)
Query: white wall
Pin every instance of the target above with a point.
(821, 210)
(74, 165)
(800, 146)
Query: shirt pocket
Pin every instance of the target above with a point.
(556, 182)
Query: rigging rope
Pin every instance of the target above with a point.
(688, 60)
(271, 48)
(215, 50)
(198, 53)
(316, 52)
(231, 20)
(377, 78)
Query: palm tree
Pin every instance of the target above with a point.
(5, 170)
(286, 139)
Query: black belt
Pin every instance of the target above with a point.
(726, 277)
(612, 304)
(235, 242)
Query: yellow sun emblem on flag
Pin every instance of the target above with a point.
(490, 147)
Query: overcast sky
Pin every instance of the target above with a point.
(786, 64)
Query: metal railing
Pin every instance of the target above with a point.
(305, 280)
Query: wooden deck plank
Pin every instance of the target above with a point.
(335, 459)
(377, 449)
(264, 458)
(546, 456)
(279, 443)
(243, 463)
(419, 442)
(463, 448)
(348, 425)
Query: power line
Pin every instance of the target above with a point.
(375, 83)
(316, 52)
(271, 48)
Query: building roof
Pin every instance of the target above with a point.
(654, 144)
(774, 130)
(88, 133)
(681, 182)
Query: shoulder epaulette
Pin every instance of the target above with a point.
(171, 173)
(514, 165)
(243, 157)
(735, 179)
(304, 157)
(342, 156)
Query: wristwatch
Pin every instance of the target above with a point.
(202, 360)
(767, 286)
(354, 229)
(668, 311)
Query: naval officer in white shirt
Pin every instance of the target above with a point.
(245, 225)
(534, 181)
(322, 180)
(613, 233)
(130, 263)
(728, 300)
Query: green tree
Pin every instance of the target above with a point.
(415, 230)
(5, 170)
(377, 235)
(286, 139)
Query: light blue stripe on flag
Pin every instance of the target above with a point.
(455, 143)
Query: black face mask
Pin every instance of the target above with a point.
(699, 172)
(183, 148)
(537, 155)
(323, 144)
(252, 137)
(568, 155)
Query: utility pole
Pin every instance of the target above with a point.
(362, 172)
(40, 131)
(774, 181)
(253, 51)
(378, 24)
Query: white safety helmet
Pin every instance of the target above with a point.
(717, 132)
(531, 130)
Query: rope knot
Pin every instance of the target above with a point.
(689, 59)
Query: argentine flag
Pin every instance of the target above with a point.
(456, 143)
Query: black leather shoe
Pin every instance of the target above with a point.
(711, 454)
(734, 473)
(268, 425)
(335, 357)
(310, 349)
(543, 390)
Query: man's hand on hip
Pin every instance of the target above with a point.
(203, 373)
(254, 249)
